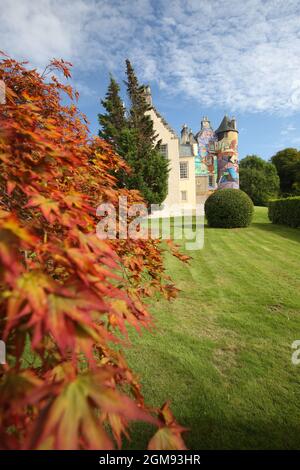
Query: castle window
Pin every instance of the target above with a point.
(164, 150)
(210, 180)
(184, 195)
(184, 174)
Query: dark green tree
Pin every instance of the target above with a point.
(258, 179)
(296, 183)
(132, 135)
(138, 117)
(113, 122)
(287, 163)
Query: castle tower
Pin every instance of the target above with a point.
(226, 148)
(205, 123)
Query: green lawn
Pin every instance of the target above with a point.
(222, 350)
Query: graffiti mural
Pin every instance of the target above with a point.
(216, 158)
(228, 176)
(200, 166)
(204, 161)
(228, 167)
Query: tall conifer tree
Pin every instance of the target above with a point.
(114, 121)
(133, 137)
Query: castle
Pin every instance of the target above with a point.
(199, 163)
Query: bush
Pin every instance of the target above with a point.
(229, 208)
(285, 211)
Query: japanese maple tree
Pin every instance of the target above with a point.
(66, 295)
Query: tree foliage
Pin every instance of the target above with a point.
(114, 121)
(287, 163)
(258, 179)
(65, 294)
(133, 138)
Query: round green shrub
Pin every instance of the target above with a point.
(229, 208)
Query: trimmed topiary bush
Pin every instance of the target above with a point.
(285, 211)
(229, 208)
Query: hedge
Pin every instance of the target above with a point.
(285, 211)
(229, 208)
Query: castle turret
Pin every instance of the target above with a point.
(205, 123)
(227, 153)
(227, 125)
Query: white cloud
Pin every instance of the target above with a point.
(240, 55)
(289, 129)
(83, 89)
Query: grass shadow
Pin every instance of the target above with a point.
(281, 230)
(209, 433)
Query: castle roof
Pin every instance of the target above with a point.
(226, 125)
(148, 96)
(165, 123)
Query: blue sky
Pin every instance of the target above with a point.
(199, 57)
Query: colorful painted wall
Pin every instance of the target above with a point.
(217, 156)
(228, 167)
(205, 161)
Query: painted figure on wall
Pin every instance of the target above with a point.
(205, 139)
(217, 155)
(228, 176)
(227, 152)
(200, 166)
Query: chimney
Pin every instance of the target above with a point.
(191, 137)
(148, 95)
(184, 135)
